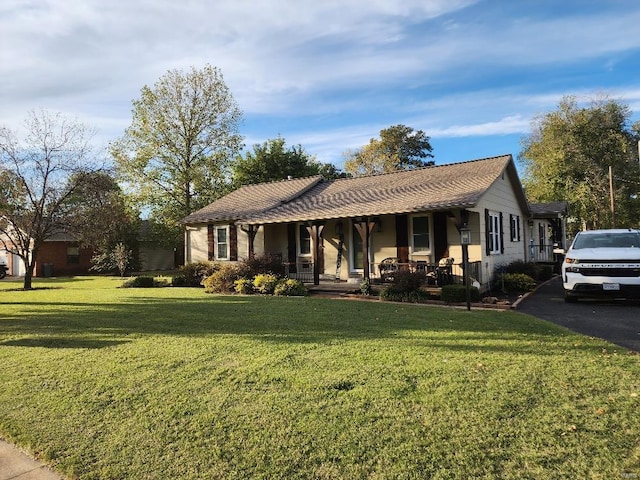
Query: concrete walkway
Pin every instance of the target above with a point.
(16, 465)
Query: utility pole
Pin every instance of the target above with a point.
(613, 213)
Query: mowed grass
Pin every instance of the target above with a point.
(172, 383)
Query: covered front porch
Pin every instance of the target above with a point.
(437, 274)
(351, 250)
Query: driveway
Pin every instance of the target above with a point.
(615, 321)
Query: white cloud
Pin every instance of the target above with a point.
(354, 66)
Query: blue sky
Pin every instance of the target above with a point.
(330, 74)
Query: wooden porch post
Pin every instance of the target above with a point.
(233, 242)
(315, 230)
(364, 228)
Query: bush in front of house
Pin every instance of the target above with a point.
(250, 267)
(535, 270)
(391, 294)
(408, 281)
(145, 281)
(406, 287)
(195, 273)
(139, 282)
(222, 280)
(265, 283)
(290, 288)
(517, 282)
(243, 286)
(458, 294)
(179, 281)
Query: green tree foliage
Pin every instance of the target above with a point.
(101, 218)
(175, 155)
(398, 148)
(567, 157)
(272, 160)
(99, 214)
(40, 173)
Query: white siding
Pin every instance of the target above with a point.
(500, 198)
(197, 245)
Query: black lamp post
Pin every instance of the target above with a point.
(465, 240)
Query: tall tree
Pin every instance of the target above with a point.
(398, 148)
(272, 161)
(39, 174)
(567, 157)
(175, 155)
(100, 203)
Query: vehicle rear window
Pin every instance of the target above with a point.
(608, 240)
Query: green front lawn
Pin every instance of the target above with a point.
(108, 383)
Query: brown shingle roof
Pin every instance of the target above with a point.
(431, 188)
(549, 208)
(251, 200)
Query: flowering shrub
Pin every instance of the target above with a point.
(265, 283)
(289, 287)
(243, 286)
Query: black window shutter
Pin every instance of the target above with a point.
(487, 231)
(210, 242)
(501, 235)
(519, 237)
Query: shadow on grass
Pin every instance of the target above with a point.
(272, 319)
(61, 342)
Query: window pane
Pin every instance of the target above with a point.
(305, 240)
(421, 233)
(222, 244)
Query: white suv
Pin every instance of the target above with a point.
(602, 263)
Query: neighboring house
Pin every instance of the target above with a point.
(151, 254)
(547, 231)
(325, 229)
(59, 255)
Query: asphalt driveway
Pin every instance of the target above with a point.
(615, 321)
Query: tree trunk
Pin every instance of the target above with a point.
(28, 275)
(29, 267)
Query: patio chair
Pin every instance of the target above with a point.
(442, 275)
(388, 267)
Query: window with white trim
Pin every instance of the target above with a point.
(515, 228)
(420, 234)
(222, 243)
(494, 236)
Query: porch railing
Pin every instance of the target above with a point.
(543, 253)
(302, 271)
(436, 275)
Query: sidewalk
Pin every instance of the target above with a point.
(16, 465)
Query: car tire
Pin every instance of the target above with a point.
(570, 298)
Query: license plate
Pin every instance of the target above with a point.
(610, 286)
